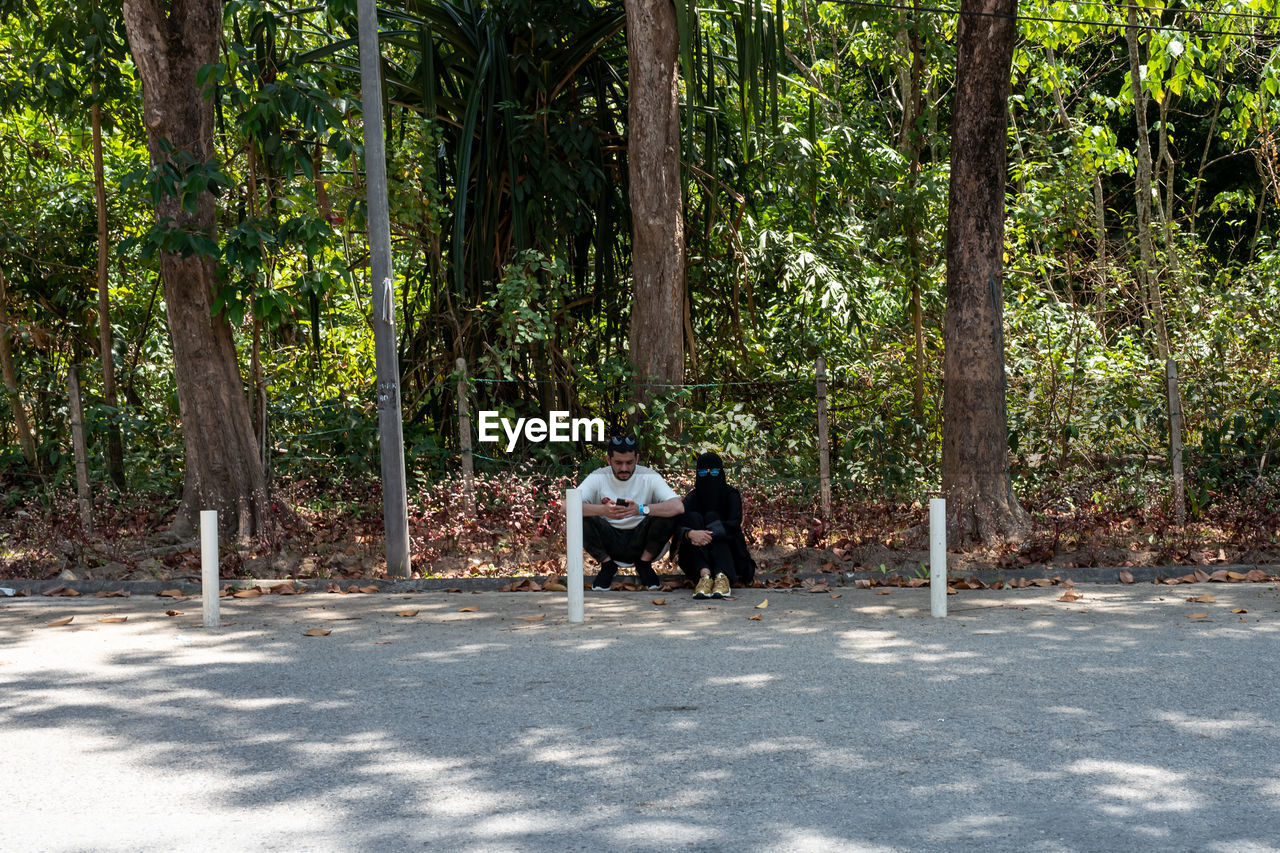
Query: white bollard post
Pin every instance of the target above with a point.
(573, 552)
(209, 566)
(938, 556)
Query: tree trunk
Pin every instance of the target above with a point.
(657, 219)
(1099, 207)
(1100, 236)
(911, 143)
(1173, 259)
(1148, 278)
(115, 444)
(26, 438)
(223, 471)
(981, 505)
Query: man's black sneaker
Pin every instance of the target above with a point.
(604, 580)
(647, 577)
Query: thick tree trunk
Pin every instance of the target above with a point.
(26, 438)
(981, 505)
(115, 443)
(223, 471)
(657, 219)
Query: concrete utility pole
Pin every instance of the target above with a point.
(395, 513)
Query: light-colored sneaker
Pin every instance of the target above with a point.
(703, 589)
(721, 587)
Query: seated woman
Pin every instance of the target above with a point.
(710, 546)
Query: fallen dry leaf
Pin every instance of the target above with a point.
(284, 589)
(1126, 576)
(1198, 616)
(813, 585)
(660, 601)
(835, 595)
(1070, 595)
(756, 618)
(114, 619)
(1041, 582)
(555, 586)
(247, 593)
(1236, 576)
(1239, 610)
(762, 605)
(407, 613)
(863, 583)
(526, 585)
(1202, 599)
(884, 592)
(317, 632)
(367, 590)
(57, 623)
(170, 593)
(1201, 576)
(174, 613)
(537, 618)
(468, 609)
(454, 589)
(113, 593)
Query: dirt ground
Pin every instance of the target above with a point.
(522, 535)
(133, 561)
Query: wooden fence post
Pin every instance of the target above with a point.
(77, 443)
(464, 436)
(824, 448)
(1175, 442)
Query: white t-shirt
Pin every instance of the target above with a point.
(645, 486)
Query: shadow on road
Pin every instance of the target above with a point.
(850, 723)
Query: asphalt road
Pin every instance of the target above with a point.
(857, 723)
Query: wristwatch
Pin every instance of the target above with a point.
(644, 510)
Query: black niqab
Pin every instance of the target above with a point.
(711, 492)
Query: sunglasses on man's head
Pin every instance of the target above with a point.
(622, 441)
(708, 472)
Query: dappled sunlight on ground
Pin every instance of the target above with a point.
(853, 723)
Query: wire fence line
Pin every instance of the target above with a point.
(875, 443)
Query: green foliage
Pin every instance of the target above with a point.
(814, 210)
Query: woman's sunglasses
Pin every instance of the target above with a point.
(708, 472)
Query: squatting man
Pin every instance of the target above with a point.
(628, 515)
